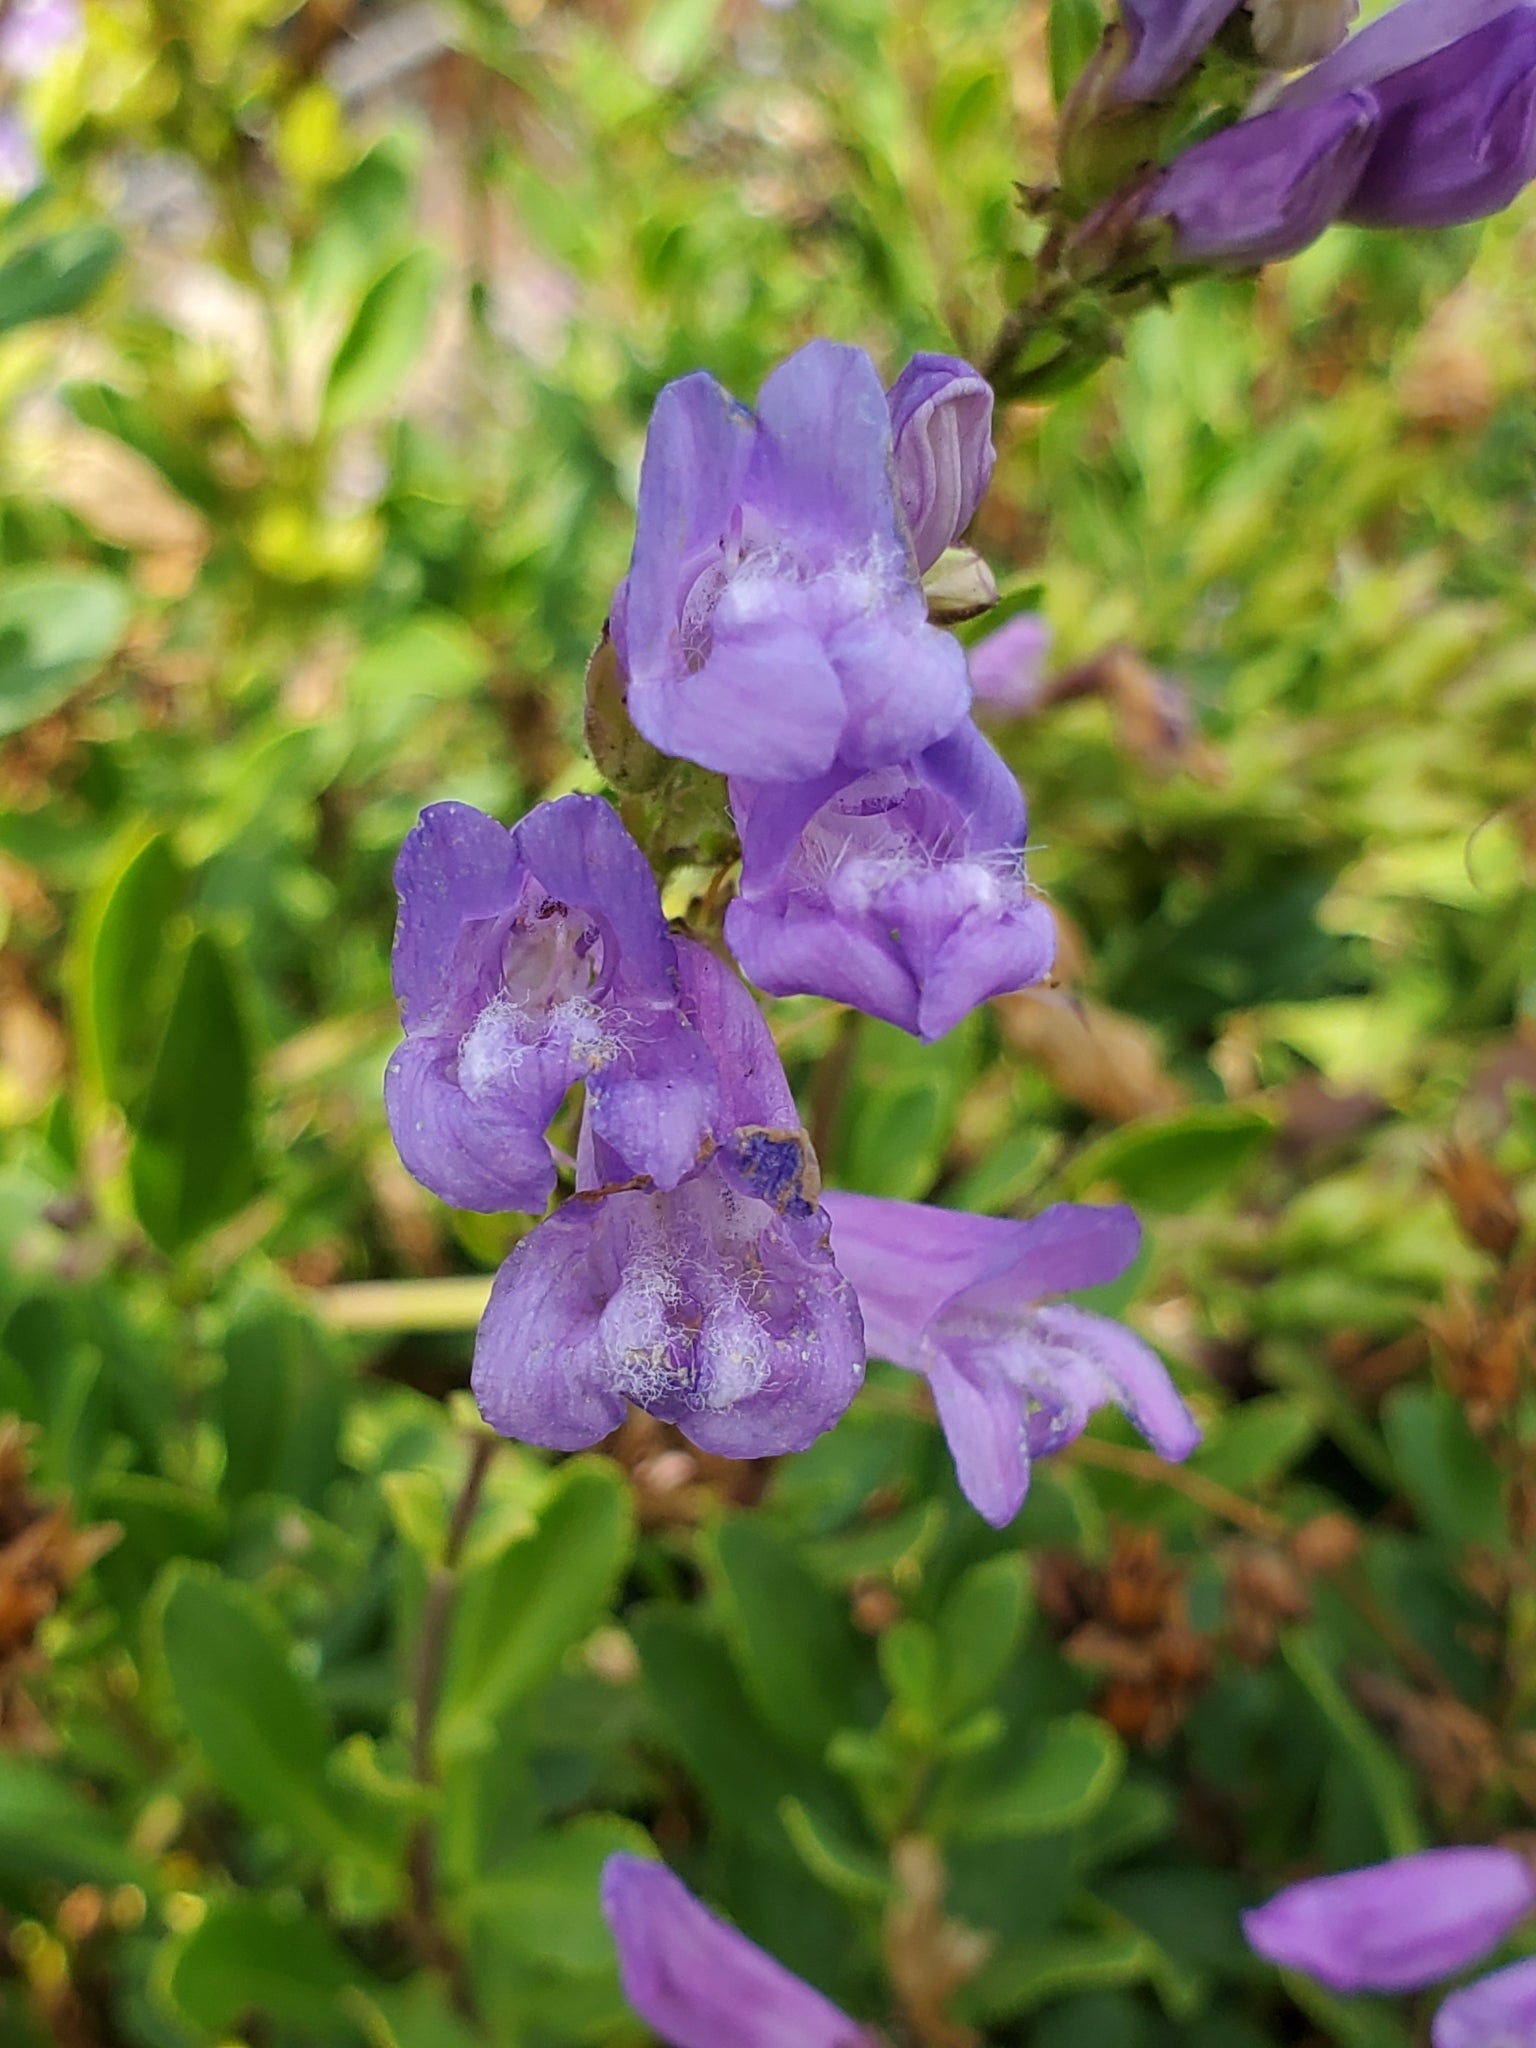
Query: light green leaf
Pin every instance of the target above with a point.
(56, 275)
(1176, 1162)
(1383, 1774)
(1075, 1767)
(250, 1957)
(517, 1615)
(979, 1629)
(57, 627)
(384, 341)
(193, 1160)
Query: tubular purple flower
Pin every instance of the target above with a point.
(773, 623)
(963, 1300)
(715, 1305)
(32, 32)
(1266, 187)
(1167, 39)
(697, 1982)
(1008, 667)
(901, 891)
(526, 960)
(1395, 1926)
(1496, 2012)
(941, 420)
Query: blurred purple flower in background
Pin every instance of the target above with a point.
(697, 1982)
(714, 1305)
(19, 167)
(772, 623)
(1397, 1926)
(526, 960)
(963, 1300)
(1008, 667)
(33, 32)
(941, 420)
(900, 891)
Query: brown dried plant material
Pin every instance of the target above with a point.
(1129, 1621)
(1482, 1197)
(1266, 1590)
(42, 1555)
(1108, 1064)
(1455, 1751)
(928, 1956)
(1485, 1354)
(676, 1485)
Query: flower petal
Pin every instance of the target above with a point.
(1395, 1926)
(1496, 2012)
(457, 867)
(488, 1156)
(698, 1982)
(941, 418)
(983, 1422)
(1116, 1367)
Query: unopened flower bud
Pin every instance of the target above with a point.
(1290, 33)
(941, 423)
(959, 586)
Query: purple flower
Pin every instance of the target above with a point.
(1266, 187)
(19, 168)
(32, 32)
(961, 1299)
(1457, 91)
(714, 1304)
(773, 623)
(1008, 667)
(941, 418)
(1167, 38)
(526, 960)
(697, 1982)
(1497, 2012)
(900, 891)
(1396, 1926)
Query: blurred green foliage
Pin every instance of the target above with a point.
(325, 359)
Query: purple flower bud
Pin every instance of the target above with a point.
(32, 32)
(714, 1305)
(1008, 667)
(1167, 39)
(773, 623)
(900, 891)
(697, 1982)
(1266, 187)
(1497, 2012)
(1395, 1926)
(961, 1299)
(941, 417)
(525, 960)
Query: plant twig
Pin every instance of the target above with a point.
(396, 1307)
(432, 1938)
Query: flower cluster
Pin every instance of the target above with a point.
(774, 628)
(1425, 118)
(1404, 1925)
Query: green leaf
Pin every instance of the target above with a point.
(1456, 1488)
(1257, 1442)
(845, 1867)
(250, 1957)
(263, 1730)
(57, 627)
(979, 1630)
(1027, 1973)
(1074, 30)
(380, 348)
(1075, 1767)
(193, 1162)
(280, 1404)
(1175, 1163)
(55, 276)
(546, 1905)
(793, 1643)
(1382, 1773)
(517, 1615)
(1351, 2022)
(48, 1830)
(115, 969)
